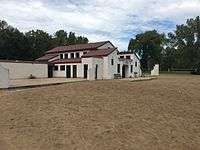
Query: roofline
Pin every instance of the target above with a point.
(136, 56)
(101, 55)
(128, 52)
(77, 61)
(38, 59)
(22, 61)
(107, 42)
(103, 42)
(125, 52)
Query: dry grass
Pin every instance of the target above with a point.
(104, 115)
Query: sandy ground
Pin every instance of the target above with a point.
(160, 114)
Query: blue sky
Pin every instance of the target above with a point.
(114, 20)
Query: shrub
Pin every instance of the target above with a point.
(196, 70)
(32, 77)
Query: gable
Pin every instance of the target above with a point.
(106, 45)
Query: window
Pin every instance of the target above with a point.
(62, 67)
(61, 56)
(66, 56)
(118, 68)
(72, 55)
(55, 68)
(131, 68)
(112, 62)
(128, 57)
(121, 56)
(84, 53)
(77, 55)
(136, 64)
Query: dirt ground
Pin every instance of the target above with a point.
(161, 114)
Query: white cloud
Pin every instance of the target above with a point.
(116, 21)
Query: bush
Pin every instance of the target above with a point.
(196, 70)
(32, 77)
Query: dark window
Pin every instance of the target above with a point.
(84, 53)
(55, 68)
(61, 56)
(131, 68)
(121, 56)
(62, 67)
(136, 64)
(72, 55)
(66, 56)
(128, 57)
(112, 62)
(118, 68)
(77, 55)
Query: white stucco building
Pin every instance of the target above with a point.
(100, 60)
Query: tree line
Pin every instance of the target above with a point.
(16, 45)
(176, 50)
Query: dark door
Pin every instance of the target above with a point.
(74, 71)
(85, 71)
(50, 71)
(68, 71)
(96, 71)
(123, 71)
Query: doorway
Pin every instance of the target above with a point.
(85, 71)
(50, 71)
(96, 72)
(74, 71)
(68, 71)
(124, 71)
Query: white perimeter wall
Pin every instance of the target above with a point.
(24, 70)
(4, 77)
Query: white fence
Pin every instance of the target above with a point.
(4, 77)
(22, 69)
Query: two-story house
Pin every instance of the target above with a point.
(100, 60)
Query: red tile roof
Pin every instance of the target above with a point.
(47, 57)
(99, 53)
(61, 61)
(89, 46)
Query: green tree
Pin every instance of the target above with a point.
(148, 46)
(12, 42)
(185, 44)
(71, 39)
(61, 38)
(39, 42)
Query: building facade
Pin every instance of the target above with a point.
(100, 60)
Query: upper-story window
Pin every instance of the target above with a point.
(61, 56)
(121, 56)
(136, 64)
(66, 56)
(84, 53)
(72, 55)
(112, 61)
(128, 57)
(77, 55)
